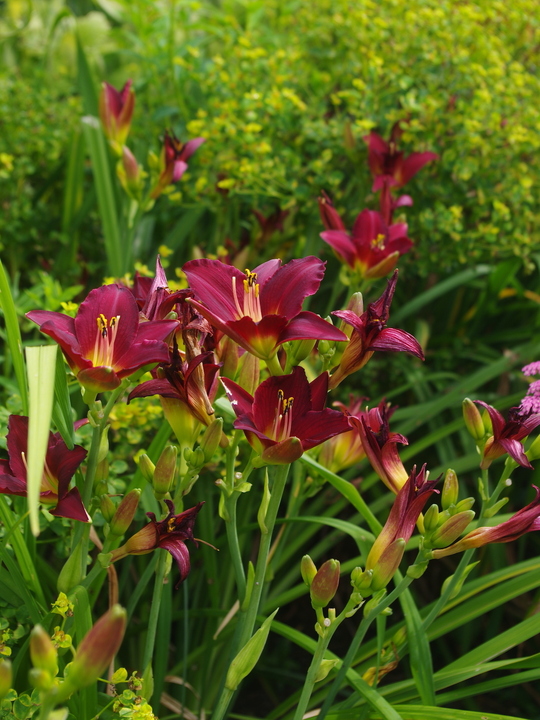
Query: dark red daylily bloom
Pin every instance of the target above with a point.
(507, 435)
(187, 390)
(174, 155)
(373, 248)
(105, 342)
(388, 165)
(525, 520)
(286, 416)
(60, 466)
(380, 445)
(387, 550)
(115, 111)
(330, 217)
(262, 309)
(369, 333)
(170, 534)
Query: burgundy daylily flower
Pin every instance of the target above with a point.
(105, 342)
(262, 309)
(388, 165)
(286, 416)
(373, 248)
(507, 435)
(154, 298)
(174, 155)
(525, 520)
(115, 111)
(170, 534)
(187, 390)
(330, 217)
(60, 466)
(380, 445)
(387, 550)
(369, 333)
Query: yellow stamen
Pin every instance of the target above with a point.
(104, 348)
(378, 242)
(251, 305)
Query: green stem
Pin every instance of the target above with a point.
(154, 609)
(248, 620)
(234, 546)
(273, 365)
(309, 683)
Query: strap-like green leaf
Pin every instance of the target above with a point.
(13, 337)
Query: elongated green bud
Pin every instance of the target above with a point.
(361, 581)
(492, 511)
(431, 518)
(459, 584)
(324, 668)
(147, 467)
(473, 420)
(42, 651)
(533, 453)
(107, 507)
(249, 655)
(96, 650)
(450, 530)
(249, 374)
(125, 513)
(325, 584)
(71, 574)
(465, 504)
(450, 491)
(300, 349)
(308, 569)
(6, 678)
(211, 438)
(165, 471)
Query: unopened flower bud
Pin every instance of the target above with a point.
(324, 668)
(165, 471)
(450, 491)
(42, 651)
(101, 477)
(40, 679)
(325, 584)
(447, 533)
(300, 349)
(473, 420)
(71, 574)
(125, 513)
(533, 453)
(416, 570)
(147, 467)
(6, 678)
(361, 580)
(95, 652)
(308, 570)
(465, 504)
(249, 655)
(387, 565)
(492, 511)
(107, 507)
(431, 518)
(211, 438)
(249, 375)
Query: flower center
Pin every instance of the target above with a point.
(378, 242)
(281, 429)
(251, 302)
(48, 482)
(106, 337)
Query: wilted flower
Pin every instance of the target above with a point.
(260, 309)
(106, 342)
(373, 248)
(170, 534)
(286, 416)
(60, 466)
(507, 435)
(369, 333)
(525, 520)
(174, 155)
(329, 215)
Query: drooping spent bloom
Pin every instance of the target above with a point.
(369, 333)
(115, 111)
(525, 520)
(106, 342)
(60, 466)
(187, 390)
(330, 217)
(388, 165)
(373, 248)
(507, 435)
(380, 445)
(260, 309)
(531, 401)
(170, 534)
(286, 416)
(173, 161)
(387, 550)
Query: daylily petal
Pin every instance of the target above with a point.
(283, 453)
(180, 553)
(284, 293)
(413, 164)
(309, 326)
(342, 243)
(98, 379)
(397, 340)
(17, 445)
(147, 352)
(71, 506)
(239, 398)
(515, 449)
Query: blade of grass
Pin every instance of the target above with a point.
(61, 413)
(421, 661)
(41, 363)
(13, 337)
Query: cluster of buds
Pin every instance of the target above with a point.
(323, 585)
(441, 529)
